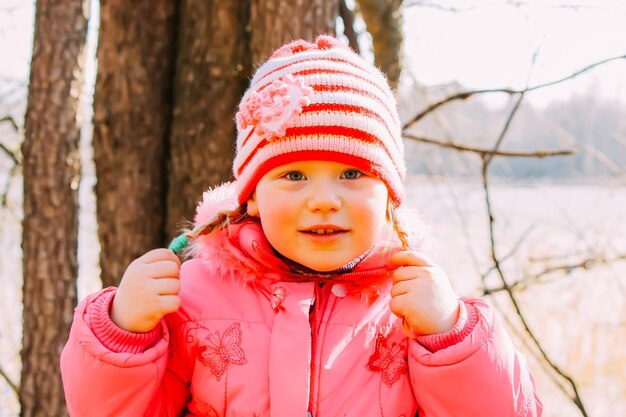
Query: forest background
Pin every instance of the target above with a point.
(515, 132)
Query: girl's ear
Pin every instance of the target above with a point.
(252, 209)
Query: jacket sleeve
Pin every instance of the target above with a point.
(482, 374)
(108, 371)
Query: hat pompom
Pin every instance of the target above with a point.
(328, 42)
(216, 200)
(322, 42)
(292, 48)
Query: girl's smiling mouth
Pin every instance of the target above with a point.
(324, 232)
(322, 229)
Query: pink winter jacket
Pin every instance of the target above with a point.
(254, 339)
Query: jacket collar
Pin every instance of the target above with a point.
(243, 253)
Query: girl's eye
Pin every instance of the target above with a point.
(352, 174)
(294, 176)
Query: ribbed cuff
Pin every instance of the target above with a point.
(468, 317)
(112, 337)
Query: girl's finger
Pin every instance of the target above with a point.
(406, 273)
(160, 254)
(169, 303)
(408, 258)
(398, 305)
(399, 288)
(162, 269)
(167, 286)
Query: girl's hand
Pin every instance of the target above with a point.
(421, 295)
(147, 292)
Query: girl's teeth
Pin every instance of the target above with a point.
(322, 231)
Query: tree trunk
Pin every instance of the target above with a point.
(348, 17)
(384, 22)
(132, 106)
(212, 71)
(218, 44)
(275, 22)
(51, 175)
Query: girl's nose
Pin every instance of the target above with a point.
(323, 198)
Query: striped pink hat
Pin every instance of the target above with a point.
(318, 101)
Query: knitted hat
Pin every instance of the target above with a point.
(318, 101)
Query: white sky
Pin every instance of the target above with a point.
(492, 44)
(485, 44)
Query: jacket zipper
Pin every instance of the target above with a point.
(314, 312)
(313, 323)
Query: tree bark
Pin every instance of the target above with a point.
(348, 16)
(219, 43)
(276, 22)
(132, 111)
(51, 175)
(384, 22)
(212, 70)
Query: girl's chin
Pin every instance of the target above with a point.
(327, 266)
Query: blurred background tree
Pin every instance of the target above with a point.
(51, 169)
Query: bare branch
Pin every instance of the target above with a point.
(14, 156)
(482, 151)
(466, 94)
(10, 154)
(586, 264)
(588, 148)
(5, 193)
(577, 73)
(575, 7)
(458, 96)
(516, 246)
(422, 3)
(488, 157)
(513, 329)
(506, 287)
(11, 122)
(11, 384)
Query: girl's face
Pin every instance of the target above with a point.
(320, 214)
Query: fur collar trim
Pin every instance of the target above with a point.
(243, 253)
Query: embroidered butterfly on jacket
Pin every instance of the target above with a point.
(218, 352)
(390, 361)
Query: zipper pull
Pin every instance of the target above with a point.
(278, 296)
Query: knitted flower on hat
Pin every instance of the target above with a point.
(271, 111)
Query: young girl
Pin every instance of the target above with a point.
(302, 295)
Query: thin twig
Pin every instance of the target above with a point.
(14, 157)
(483, 151)
(485, 167)
(505, 286)
(5, 193)
(419, 3)
(587, 264)
(516, 246)
(587, 148)
(11, 384)
(10, 154)
(11, 122)
(513, 329)
(466, 94)
(488, 157)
